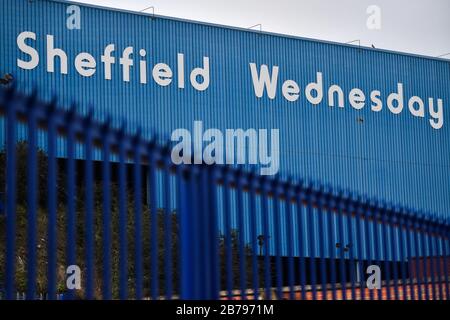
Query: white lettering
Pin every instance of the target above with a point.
(34, 55)
(85, 64)
(264, 80)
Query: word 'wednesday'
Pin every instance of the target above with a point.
(314, 93)
(263, 80)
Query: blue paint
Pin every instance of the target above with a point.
(404, 159)
(199, 215)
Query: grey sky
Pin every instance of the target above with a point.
(415, 26)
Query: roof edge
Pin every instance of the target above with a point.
(275, 34)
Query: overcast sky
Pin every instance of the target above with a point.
(415, 26)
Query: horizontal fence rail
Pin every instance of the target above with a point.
(124, 222)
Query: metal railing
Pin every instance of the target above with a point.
(140, 227)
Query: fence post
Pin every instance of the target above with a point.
(289, 193)
(443, 231)
(123, 219)
(409, 224)
(264, 184)
(416, 230)
(189, 251)
(424, 245)
(387, 268)
(341, 206)
(311, 193)
(106, 206)
(276, 189)
(239, 179)
(151, 181)
(214, 236)
(437, 256)
(10, 269)
(403, 259)
(361, 207)
(71, 205)
(350, 209)
(322, 204)
(253, 235)
(167, 225)
(227, 240)
(89, 207)
(332, 202)
(32, 188)
(138, 264)
(52, 201)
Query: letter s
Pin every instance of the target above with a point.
(34, 61)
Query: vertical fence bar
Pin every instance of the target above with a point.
(431, 253)
(106, 237)
(409, 225)
(301, 261)
(254, 236)
(265, 238)
(445, 258)
(376, 243)
(197, 214)
(228, 240)
(52, 198)
(419, 272)
(368, 239)
(123, 219)
(322, 202)
(437, 258)
(31, 202)
(179, 207)
(277, 230)
(11, 195)
(410, 283)
(290, 239)
(386, 245)
(213, 234)
(89, 204)
(394, 251)
(154, 273)
(311, 199)
(350, 209)
(424, 245)
(138, 217)
(343, 278)
(360, 207)
(210, 236)
(241, 234)
(71, 213)
(332, 204)
(402, 254)
(167, 229)
(204, 233)
(203, 253)
(184, 230)
(187, 275)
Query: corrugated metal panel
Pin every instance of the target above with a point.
(398, 158)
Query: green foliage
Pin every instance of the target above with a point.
(21, 173)
(42, 225)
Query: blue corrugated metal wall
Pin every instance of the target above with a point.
(398, 158)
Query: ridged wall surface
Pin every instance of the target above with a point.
(397, 158)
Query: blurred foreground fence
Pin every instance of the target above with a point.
(140, 227)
